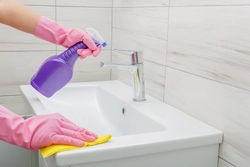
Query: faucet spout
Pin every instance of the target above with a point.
(118, 66)
(137, 77)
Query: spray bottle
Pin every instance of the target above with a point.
(57, 70)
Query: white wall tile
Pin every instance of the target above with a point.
(154, 75)
(80, 18)
(133, 3)
(90, 3)
(17, 68)
(89, 69)
(212, 42)
(15, 40)
(37, 2)
(208, 2)
(223, 107)
(142, 29)
(123, 75)
(16, 104)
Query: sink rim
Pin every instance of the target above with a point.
(182, 132)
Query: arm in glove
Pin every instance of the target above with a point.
(55, 33)
(19, 16)
(41, 131)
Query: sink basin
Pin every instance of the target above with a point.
(99, 111)
(145, 133)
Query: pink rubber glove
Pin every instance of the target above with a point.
(41, 131)
(53, 32)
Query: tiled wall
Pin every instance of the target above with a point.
(21, 55)
(196, 58)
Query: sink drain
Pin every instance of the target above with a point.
(123, 111)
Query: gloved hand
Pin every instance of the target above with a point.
(41, 130)
(53, 32)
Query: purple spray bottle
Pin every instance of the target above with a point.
(57, 70)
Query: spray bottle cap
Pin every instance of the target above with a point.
(96, 36)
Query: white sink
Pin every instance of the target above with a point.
(145, 134)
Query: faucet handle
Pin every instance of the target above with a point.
(136, 56)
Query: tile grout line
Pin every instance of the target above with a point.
(222, 5)
(65, 6)
(166, 54)
(111, 53)
(100, 7)
(227, 161)
(11, 95)
(14, 51)
(56, 47)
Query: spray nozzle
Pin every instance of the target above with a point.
(96, 36)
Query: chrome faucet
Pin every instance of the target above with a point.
(136, 68)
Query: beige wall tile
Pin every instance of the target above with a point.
(223, 107)
(142, 29)
(208, 2)
(92, 3)
(126, 3)
(15, 40)
(80, 18)
(212, 42)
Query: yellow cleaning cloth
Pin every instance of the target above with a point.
(48, 151)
